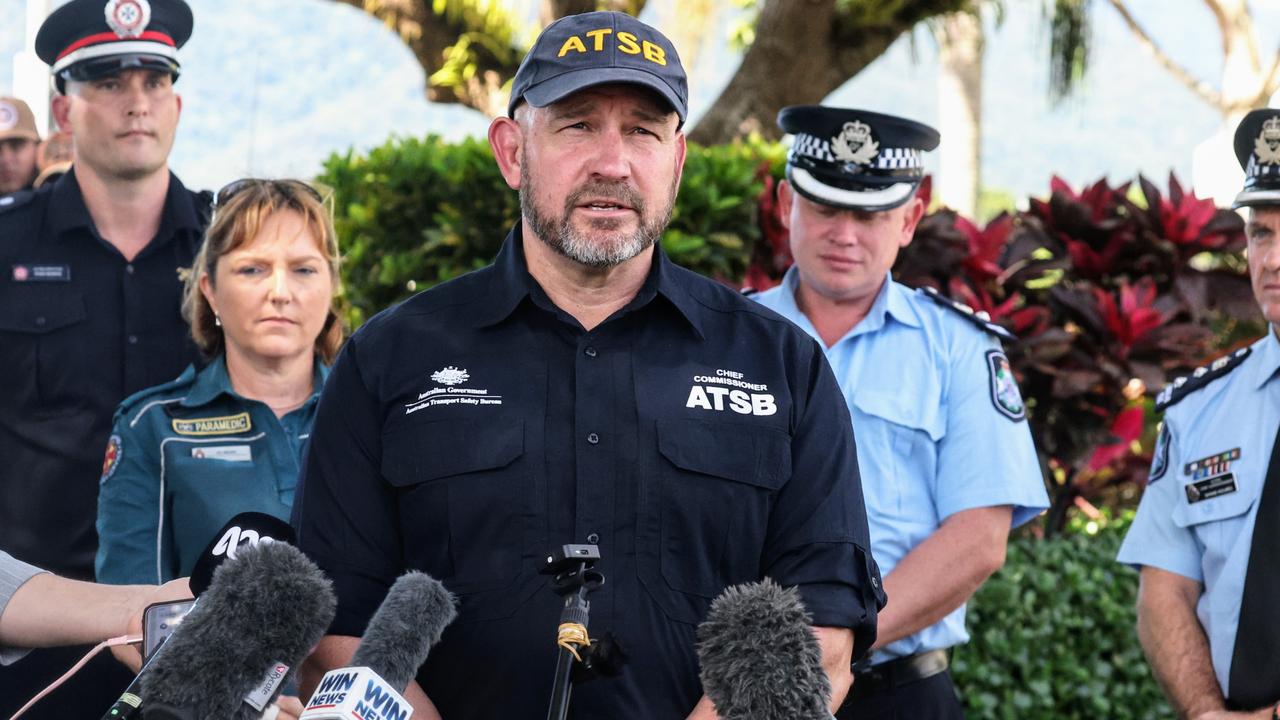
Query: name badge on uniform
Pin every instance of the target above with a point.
(1210, 488)
(230, 453)
(41, 273)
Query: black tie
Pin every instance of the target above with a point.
(1255, 674)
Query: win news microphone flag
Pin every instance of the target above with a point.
(400, 635)
(264, 611)
(760, 659)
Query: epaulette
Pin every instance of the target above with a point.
(1202, 376)
(749, 291)
(16, 200)
(980, 319)
(204, 206)
(139, 398)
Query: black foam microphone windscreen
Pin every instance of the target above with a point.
(407, 624)
(263, 612)
(760, 659)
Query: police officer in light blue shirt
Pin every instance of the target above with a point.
(943, 445)
(1205, 536)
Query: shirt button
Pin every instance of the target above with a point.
(133, 339)
(40, 322)
(129, 268)
(593, 538)
(591, 352)
(594, 439)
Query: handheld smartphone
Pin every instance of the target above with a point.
(158, 623)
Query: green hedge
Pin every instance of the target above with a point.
(416, 212)
(1053, 635)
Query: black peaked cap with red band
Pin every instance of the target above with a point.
(91, 39)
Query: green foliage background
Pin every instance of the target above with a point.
(1053, 633)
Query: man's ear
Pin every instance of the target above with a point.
(786, 199)
(61, 107)
(506, 138)
(910, 219)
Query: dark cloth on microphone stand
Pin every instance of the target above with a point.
(1255, 680)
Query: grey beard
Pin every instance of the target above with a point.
(614, 249)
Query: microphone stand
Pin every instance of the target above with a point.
(573, 579)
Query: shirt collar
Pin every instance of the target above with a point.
(1268, 361)
(512, 283)
(179, 211)
(891, 302)
(214, 381)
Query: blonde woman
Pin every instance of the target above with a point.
(187, 456)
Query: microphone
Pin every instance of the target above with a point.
(759, 657)
(263, 612)
(400, 634)
(244, 530)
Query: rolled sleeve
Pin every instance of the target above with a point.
(345, 513)
(13, 574)
(818, 536)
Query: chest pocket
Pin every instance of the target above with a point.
(464, 499)
(33, 349)
(709, 510)
(896, 434)
(1217, 522)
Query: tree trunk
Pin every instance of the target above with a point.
(804, 49)
(960, 47)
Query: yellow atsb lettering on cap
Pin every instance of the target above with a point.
(627, 43)
(573, 43)
(654, 53)
(599, 37)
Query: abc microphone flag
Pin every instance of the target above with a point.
(396, 643)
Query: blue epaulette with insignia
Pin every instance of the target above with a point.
(1202, 376)
(980, 319)
(16, 200)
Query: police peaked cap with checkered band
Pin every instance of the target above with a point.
(855, 159)
(1257, 145)
(91, 39)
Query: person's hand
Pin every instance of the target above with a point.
(289, 708)
(131, 655)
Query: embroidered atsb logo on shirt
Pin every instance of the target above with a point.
(729, 390)
(450, 377)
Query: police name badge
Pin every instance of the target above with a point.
(1004, 387)
(128, 18)
(1211, 488)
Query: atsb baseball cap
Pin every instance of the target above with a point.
(16, 120)
(598, 48)
(90, 39)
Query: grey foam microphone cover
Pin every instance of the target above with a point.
(407, 624)
(759, 657)
(269, 605)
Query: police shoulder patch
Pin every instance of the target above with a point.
(1187, 384)
(1160, 458)
(979, 319)
(1004, 387)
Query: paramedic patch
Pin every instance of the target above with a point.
(1004, 388)
(226, 425)
(1210, 488)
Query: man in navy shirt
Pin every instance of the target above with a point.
(583, 389)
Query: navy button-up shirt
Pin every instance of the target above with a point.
(699, 439)
(81, 329)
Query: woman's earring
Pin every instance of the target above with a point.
(217, 319)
